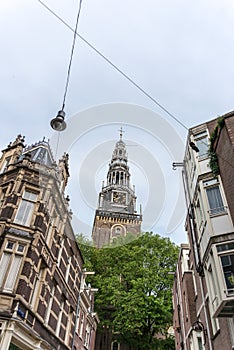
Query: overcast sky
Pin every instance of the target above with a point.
(179, 51)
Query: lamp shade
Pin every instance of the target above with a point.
(58, 123)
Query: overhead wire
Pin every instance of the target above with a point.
(113, 65)
(72, 52)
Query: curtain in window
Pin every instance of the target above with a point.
(24, 213)
(215, 200)
(13, 273)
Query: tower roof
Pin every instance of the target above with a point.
(40, 152)
(119, 155)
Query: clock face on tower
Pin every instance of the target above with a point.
(119, 197)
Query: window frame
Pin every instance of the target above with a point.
(198, 138)
(113, 343)
(26, 207)
(209, 184)
(200, 211)
(12, 269)
(227, 250)
(5, 164)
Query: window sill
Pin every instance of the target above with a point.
(229, 293)
(7, 292)
(203, 157)
(220, 213)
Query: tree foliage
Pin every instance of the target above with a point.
(134, 289)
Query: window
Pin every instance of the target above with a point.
(48, 310)
(227, 263)
(54, 220)
(5, 164)
(201, 140)
(87, 337)
(25, 209)
(228, 270)
(214, 196)
(81, 324)
(199, 208)
(186, 306)
(10, 265)
(59, 318)
(199, 343)
(115, 345)
(194, 283)
(68, 329)
(2, 196)
(36, 292)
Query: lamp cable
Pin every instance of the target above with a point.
(72, 53)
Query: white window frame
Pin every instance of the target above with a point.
(10, 264)
(227, 250)
(26, 208)
(59, 320)
(5, 164)
(212, 285)
(47, 315)
(81, 324)
(87, 337)
(36, 292)
(68, 329)
(200, 344)
(202, 138)
(53, 224)
(211, 184)
(200, 211)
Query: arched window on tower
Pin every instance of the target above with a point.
(117, 177)
(121, 178)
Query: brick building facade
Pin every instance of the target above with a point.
(44, 301)
(203, 292)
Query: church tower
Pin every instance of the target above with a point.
(116, 214)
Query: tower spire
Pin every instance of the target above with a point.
(121, 131)
(116, 213)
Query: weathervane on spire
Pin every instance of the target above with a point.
(121, 131)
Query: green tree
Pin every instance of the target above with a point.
(135, 288)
